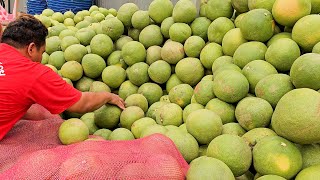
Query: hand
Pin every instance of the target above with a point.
(116, 100)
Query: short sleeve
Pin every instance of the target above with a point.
(53, 93)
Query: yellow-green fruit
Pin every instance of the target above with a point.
(172, 82)
(253, 136)
(160, 10)
(257, 25)
(220, 62)
(165, 26)
(126, 89)
(47, 12)
(241, 6)
(261, 4)
(153, 54)
(159, 71)
(305, 71)
(113, 76)
(93, 65)
(169, 114)
(101, 45)
(209, 54)
(189, 70)
(151, 91)
(309, 173)
(137, 100)
(153, 129)
(73, 131)
(233, 129)
(141, 124)
(316, 48)
(104, 133)
(180, 32)
(204, 125)
(72, 70)
(288, 12)
(218, 8)
(193, 46)
(133, 52)
(121, 134)
(290, 119)
(181, 95)
(310, 155)
(203, 92)
(184, 11)
(208, 168)
(75, 52)
(56, 59)
(223, 109)
(172, 52)
(189, 109)
(278, 156)
(98, 86)
(231, 41)
(107, 116)
(112, 27)
(126, 12)
(232, 150)
(271, 177)
(138, 73)
(200, 26)
(140, 19)
(130, 115)
(53, 44)
(279, 36)
(306, 32)
(83, 84)
(88, 119)
(151, 36)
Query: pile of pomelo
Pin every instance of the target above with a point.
(235, 86)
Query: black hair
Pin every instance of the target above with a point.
(23, 31)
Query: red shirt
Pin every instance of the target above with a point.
(24, 82)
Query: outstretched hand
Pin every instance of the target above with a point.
(116, 100)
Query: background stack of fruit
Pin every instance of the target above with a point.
(235, 87)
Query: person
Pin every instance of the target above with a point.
(25, 81)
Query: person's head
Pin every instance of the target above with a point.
(28, 35)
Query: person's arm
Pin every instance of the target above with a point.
(91, 101)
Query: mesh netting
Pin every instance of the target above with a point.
(32, 150)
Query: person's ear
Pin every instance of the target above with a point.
(31, 49)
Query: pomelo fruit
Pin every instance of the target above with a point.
(126, 12)
(133, 52)
(159, 71)
(151, 36)
(204, 125)
(72, 70)
(101, 45)
(309, 173)
(220, 62)
(153, 129)
(261, 4)
(217, 8)
(98, 86)
(172, 82)
(169, 114)
(134, 33)
(218, 28)
(253, 136)
(115, 58)
(184, 11)
(233, 129)
(153, 54)
(270, 177)
(180, 32)
(200, 27)
(189, 109)
(126, 89)
(233, 151)
(279, 36)
(85, 35)
(88, 119)
(83, 84)
(172, 52)
(130, 115)
(224, 110)
(193, 46)
(68, 41)
(203, 92)
(121, 134)
(107, 116)
(181, 95)
(316, 48)
(241, 6)
(113, 76)
(151, 91)
(137, 100)
(104, 133)
(57, 59)
(140, 19)
(160, 10)
(310, 155)
(75, 52)
(53, 44)
(189, 70)
(93, 65)
(209, 54)
(73, 131)
(138, 73)
(139, 125)
(165, 26)
(122, 41)
(112, 27)
(231, 41)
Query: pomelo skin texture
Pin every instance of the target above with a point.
(297, 116)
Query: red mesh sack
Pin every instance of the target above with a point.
(32, 150)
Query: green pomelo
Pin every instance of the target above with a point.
(238, 20)
(126, 89)
(72, 70)
(233, 129)
(159, 71)
(137, 100)
(233, 151)
(133, 52)
(151, 36)
(154, 108)
(85, 35)
(68, 41)
(83, 84)
(227, 66)
(189, 109)
(75, 52)
(153, 54)
(172, 52)
(138, 73)
(53, 44)
(309, 173)
(151, 91)
(224, 110)
(73, 131)
(140, 19)
(218, 28)
(257, 25)
(261, 4)
(253, 136)
(296, 116)
(209, 54)
(230, 86)
(218, 8)
(93, 65)
(310, 155)
(115, 58)
(113, 76)
(165, 26)
(186, 144)
(279, 36)
(141, 124)
(180, 32)
(189, 70)
(66, 32)
(220, 62)
(204, 125)
(122, 41)
(172, 82)
(272, 87)
(271, 177)
(160, 10)
(112, 27)
(98, 86)
(47, 12)
(56, 59)
(241, 6)
(121, 134)
(58, 16)
(256, 70)
(203, 92)
(306, 32)
(305, 71)
(253, 112)
(45, 58)
(248, 52)
(88, 119)
(278, 156)
(208, 168)
(134, 33)
(68, 14)
(107, 116)
(169, 114)
(184, 11)
(83, 24)
(130, 115)
(165, 98)
(126, 12)
(200, 27)
(101, 45)
(231, 41)
(181, 95)
(104, 133)
(316, 48)
(193, 46)
(153, 129)
(282, 53)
